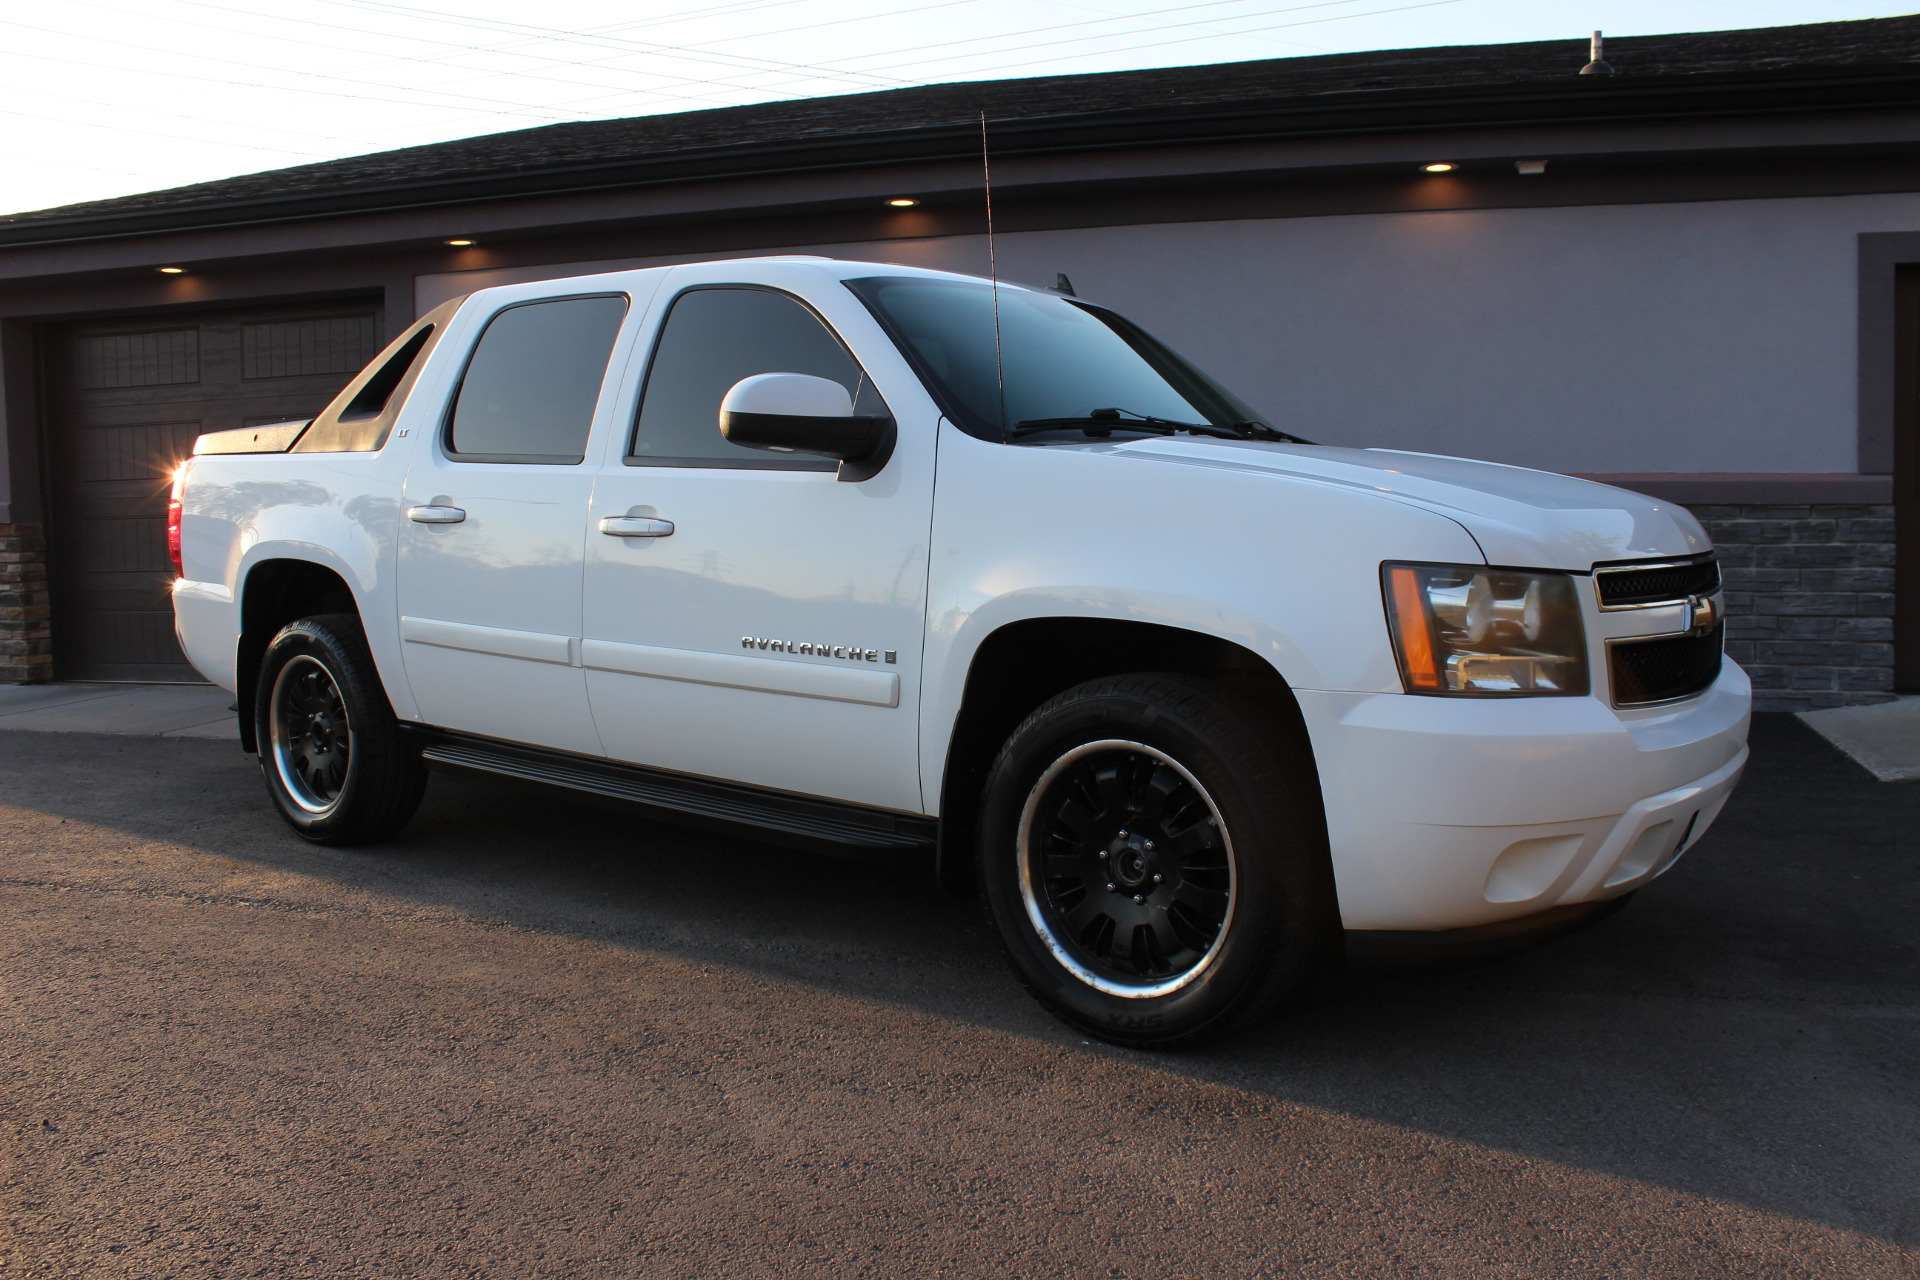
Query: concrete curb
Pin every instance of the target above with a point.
(1884, 739)
(146, 710)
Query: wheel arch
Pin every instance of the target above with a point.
(1023, 663)
(273, 592)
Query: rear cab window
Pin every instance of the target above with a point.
(530, 387)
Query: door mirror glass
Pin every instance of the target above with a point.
(799, 413)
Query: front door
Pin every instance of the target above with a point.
(773, 636)
(490, 553)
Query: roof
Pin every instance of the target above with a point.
(1773, 68)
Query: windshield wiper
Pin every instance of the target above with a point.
(1100, 423)
(1261, 431)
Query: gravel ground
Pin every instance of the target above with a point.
(533, 1039)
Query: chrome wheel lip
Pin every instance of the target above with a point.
(1036, 913)
(291, 781)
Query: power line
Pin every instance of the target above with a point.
(1064, 26)
(740, 67)
(119, 128)
(778, 86)
(1032, 46)
(68, 164)
(175, 115)
(717, 59)
(638, 46)
(304, 42)
(1212, 35)
(318, 75)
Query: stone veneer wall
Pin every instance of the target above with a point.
(1809, 596)
(26, 635)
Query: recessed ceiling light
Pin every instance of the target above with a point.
(903, 202)
(173, 271)
(1438, 166)
(459, 244)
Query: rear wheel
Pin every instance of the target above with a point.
(336, 764)
(1149, 864)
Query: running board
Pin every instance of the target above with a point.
(818, 824)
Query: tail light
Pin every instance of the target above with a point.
(173, 517)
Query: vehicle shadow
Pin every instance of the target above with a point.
(1745, 1030)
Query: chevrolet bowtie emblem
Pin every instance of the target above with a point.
(1702, 612)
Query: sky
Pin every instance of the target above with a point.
(102, 98)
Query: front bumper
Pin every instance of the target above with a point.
(1447, 813)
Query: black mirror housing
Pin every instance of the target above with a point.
(861, 443)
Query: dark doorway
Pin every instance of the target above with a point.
(125, 403)
(1906, 481)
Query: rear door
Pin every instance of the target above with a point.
(496, 501)
(774, 636)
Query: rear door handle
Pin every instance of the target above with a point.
(436, 515)
(635, 527)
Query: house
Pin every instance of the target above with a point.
(1698, 276)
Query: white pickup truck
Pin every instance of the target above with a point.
(899, 562)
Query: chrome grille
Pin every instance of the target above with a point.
(1634, 585)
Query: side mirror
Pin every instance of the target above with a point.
(799, 413)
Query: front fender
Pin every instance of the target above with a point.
(1284, 567)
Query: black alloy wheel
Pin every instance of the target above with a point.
(312, 734)
(1149, 857)
(1126, 868)
(336, 763)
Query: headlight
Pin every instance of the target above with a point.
(1485, 632)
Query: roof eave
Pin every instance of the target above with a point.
(1353, 112)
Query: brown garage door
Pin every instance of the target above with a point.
(127, 401)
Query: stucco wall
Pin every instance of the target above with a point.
(1705, 337)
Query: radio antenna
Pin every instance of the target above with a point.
(993, 275)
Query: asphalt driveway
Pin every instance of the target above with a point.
(532, 1039)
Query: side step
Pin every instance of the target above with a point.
(816, 824)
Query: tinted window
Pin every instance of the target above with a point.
(712, 339)
(371, 400)
(529, 391)
(1058, 358)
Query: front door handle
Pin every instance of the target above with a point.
(635, 527)
(436, 515)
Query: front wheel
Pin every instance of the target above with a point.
(1148, 860)
(336, 764)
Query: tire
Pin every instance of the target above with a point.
(1148, 859)
(336, 764)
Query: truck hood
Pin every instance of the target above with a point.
(1520, 517)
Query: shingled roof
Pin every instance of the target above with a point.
(1868, 60)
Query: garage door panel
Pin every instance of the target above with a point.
(306, 348)
(156, 358)
(128, 402)
(138, 451)
(135, 544)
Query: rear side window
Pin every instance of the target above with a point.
(714, 337)
(361, 416)
(532, 382)
(371, 400)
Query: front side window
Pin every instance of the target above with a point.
(715, 336)
(1059, 363)
(530, 388)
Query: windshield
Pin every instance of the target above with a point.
(1065, 363)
